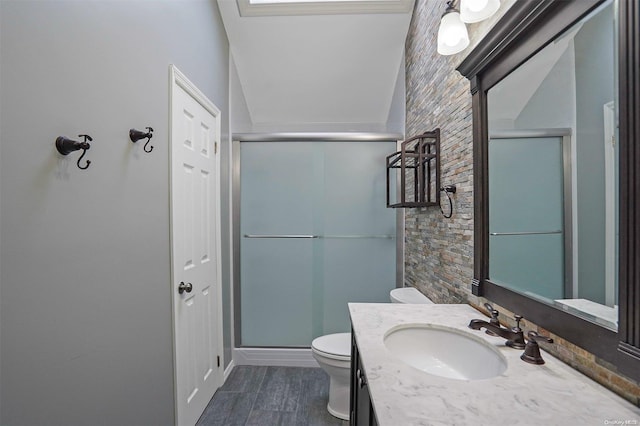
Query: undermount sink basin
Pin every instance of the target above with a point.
(445, 352)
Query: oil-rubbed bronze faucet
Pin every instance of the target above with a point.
(514, 336)
(532, 351)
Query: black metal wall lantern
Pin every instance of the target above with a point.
(65, 146)
(417, 165)
(136, 135)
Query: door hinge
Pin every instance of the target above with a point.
(215, 148)
(218, 361)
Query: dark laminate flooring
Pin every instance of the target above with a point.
(265, 396)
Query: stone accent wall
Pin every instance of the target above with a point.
(439, 251)
(585, 362)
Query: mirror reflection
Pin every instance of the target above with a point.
(553, 164)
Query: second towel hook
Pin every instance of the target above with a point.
(136, 135)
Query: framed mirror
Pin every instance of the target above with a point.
(552, 168)
(555, 120)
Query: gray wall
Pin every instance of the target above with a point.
(396, 118)
(553, 104)
(240, 117)
(594, 47)
(86, 332)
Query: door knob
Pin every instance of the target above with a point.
(184, 287)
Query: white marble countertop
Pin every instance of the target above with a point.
(525, 394)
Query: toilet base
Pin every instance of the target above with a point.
(338, 405)
(335, 360)
(341, 416)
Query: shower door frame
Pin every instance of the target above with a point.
(570, 210)
(239, 138)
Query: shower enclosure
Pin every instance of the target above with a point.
(314, 235)
(530, 212)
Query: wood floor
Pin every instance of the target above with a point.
(265, 396)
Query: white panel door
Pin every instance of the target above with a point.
(195, 249)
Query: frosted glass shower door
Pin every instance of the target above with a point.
(358, 242)
(526, 215)
(315, 235)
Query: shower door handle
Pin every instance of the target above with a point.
(280, 236)
(182, 287)
(498, 234)
(385, 236)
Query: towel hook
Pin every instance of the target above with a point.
(65, 146)
(449, 189)
(136, 135)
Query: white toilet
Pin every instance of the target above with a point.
(333, 353)
(409, 295)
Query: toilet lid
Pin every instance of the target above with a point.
(334, 345)
(409, 295)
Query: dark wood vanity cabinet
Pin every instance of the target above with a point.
(361, 408)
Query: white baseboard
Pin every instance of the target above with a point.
(281, 357)
(228, 370)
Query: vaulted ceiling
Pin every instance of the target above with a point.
(328, 66)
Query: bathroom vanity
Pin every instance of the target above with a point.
(493, 386)
(362, 412)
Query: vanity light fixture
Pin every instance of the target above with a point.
(477, 10)
(452, 34)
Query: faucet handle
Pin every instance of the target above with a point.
(493, 312)
(518, 318)
(518, 341)
(532, 350)
(494, 318)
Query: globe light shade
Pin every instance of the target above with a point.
(477, 10)
(452, 34)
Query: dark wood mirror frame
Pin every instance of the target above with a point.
(523, 31)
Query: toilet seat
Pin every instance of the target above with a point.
(334, 346)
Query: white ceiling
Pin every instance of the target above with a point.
(327, 68)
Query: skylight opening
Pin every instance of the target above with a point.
(308, 1)
(321, 7)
